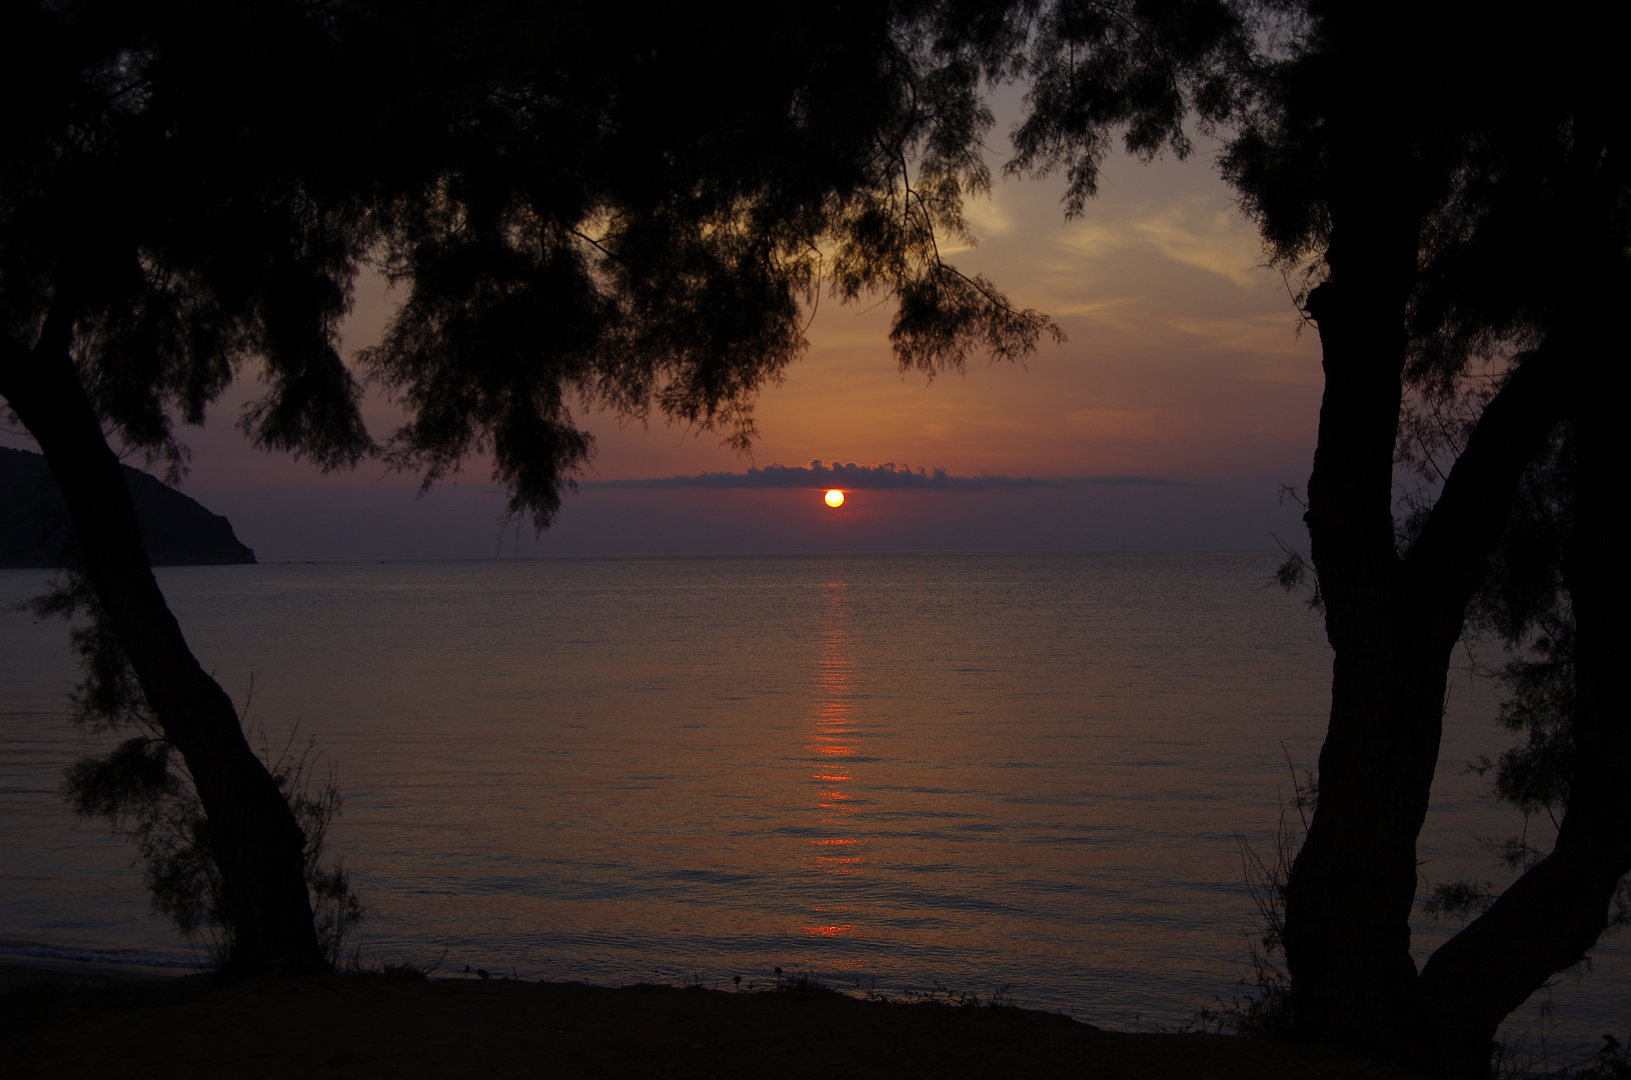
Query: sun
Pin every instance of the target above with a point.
(835, 498)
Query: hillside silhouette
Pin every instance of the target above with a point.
(34, 529)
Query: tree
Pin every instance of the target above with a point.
(1469, 205)
(585, 205)
(621, 203)
(1450, 185)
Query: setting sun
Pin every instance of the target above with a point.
(835, 498)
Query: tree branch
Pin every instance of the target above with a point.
(1448, 557)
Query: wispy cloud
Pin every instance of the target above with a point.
(1202, 231)
(819, 474)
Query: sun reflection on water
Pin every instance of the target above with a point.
(834, 736)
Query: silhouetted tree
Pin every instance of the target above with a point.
(1458, 190)
(1450, 184)
(631, 205)
(615, 203)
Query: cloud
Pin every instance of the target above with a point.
(988, 216)
(855, 477)
(1203, 232)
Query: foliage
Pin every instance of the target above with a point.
(1142, 69)
(1525, 1061)
(594, 234)
(941, 994)
(642, 225)
(1266, 1011)
(617, 206)
(800, 982)
(143, 790)
(1525, 607)
(1295, 574)
(1534, 774)
(1460, 900)
(1611, 1062)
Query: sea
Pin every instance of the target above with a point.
(1036, 778)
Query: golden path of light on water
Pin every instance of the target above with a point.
(834, 736)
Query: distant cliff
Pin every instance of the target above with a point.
(34, 522)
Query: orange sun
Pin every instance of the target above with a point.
(835, 498)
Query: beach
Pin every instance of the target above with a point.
(83, 1022)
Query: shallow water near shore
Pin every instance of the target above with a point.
(891, 771)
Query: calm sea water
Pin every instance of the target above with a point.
(892, 771)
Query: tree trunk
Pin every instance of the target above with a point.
(1350, 892)
(1393, 622)
(1552, 915)
(255, 841)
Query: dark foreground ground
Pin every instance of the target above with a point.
(89, 1025)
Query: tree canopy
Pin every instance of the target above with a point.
(622, 205)
(628, 205)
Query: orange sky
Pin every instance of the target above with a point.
(1183, 362)
(1183, 358)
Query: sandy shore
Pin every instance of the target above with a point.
(64, 1020)
(18, 971)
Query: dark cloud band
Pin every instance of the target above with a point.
(855, 477)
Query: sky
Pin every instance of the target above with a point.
(1185, 363)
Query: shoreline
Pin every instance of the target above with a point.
(19, 970)
(122, 1023)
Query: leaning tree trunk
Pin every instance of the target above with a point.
(254, 839)
(1550, 917)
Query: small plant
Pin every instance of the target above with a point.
(942, 994)
(799, 982)
(1522, 1059)
(1266, 1011)
(1611, 1062)
(409, 970)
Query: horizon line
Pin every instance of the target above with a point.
(887, 476)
